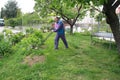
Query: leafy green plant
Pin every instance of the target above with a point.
(30, 42)
(45, 28)
(14, 22)
(5, 48)
(1, 37)
(15, 38)
(34, 39)
(31, 19)
(29, 30)
(7, 32)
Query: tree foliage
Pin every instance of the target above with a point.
(69, 10)
(10, 10)
(30, 18)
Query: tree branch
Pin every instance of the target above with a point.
(79, 9)
(96, 9)
(75, 19)
(62, 15)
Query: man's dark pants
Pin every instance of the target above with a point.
(62, 36)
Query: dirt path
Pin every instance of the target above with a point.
(31, 60)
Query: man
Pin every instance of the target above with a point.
(60, 32)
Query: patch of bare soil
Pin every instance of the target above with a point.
(31, 60)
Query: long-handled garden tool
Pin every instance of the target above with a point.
(47, 37)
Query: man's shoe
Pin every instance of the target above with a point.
(56, 48)
(67, 47)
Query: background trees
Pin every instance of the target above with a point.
(69, 10)
(10, 10)
(30, 19)
(11, 13)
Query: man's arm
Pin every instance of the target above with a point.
(59, 26)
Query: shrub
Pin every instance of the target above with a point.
(13, 22)
(1, 37)
(29, 43)
(15, 38)
(33, 39)
(29, 30)
(7, 31)
(5, 48)
(7, 34)
(45, 28)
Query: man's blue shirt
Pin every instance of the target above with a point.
(60, 30)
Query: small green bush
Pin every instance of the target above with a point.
(13, 22)
(5, 48)
(15, 38)
(7, 32)
(29, 30)
(45, 28)
(34, 39)
(30, 42)
(1, 37)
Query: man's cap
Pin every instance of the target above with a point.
(58, 17)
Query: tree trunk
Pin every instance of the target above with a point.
(116, 33)
(113, 21)
(70, 24)
(71, 29)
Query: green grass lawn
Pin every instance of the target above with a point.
(81, 61)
